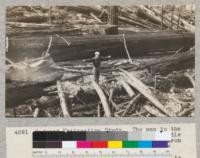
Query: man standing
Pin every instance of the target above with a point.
(97, 64)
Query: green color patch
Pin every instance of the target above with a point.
(130, 144)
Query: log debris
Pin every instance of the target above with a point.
(143, 89)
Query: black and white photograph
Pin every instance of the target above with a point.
(100, 61)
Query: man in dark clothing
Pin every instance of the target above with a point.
(97, 64)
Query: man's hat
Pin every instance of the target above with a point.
(97, 53)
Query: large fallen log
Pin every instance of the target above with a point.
(81, 47)
(165, 65)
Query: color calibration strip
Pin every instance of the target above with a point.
(100, 144)
(100, 139)
(100, 136)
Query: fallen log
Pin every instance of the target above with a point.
(144, 12)
(132, 22)
(63, 104)
(129, 14)
(103, 99)
(143, 89)
(165, 65)
(30, 19)
(13, 32)
(128, 89)
(82, 47)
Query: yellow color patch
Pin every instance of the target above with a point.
(114, 144)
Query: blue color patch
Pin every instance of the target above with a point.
(145, 144)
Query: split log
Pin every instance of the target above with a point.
(103, 99)
(63, 104)
(143, 89)
(82, 47)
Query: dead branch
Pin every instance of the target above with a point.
(47, 52)
(63, 40)
(127, 52)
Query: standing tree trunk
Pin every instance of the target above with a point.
(113, 18)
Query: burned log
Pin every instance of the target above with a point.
(81, 47)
